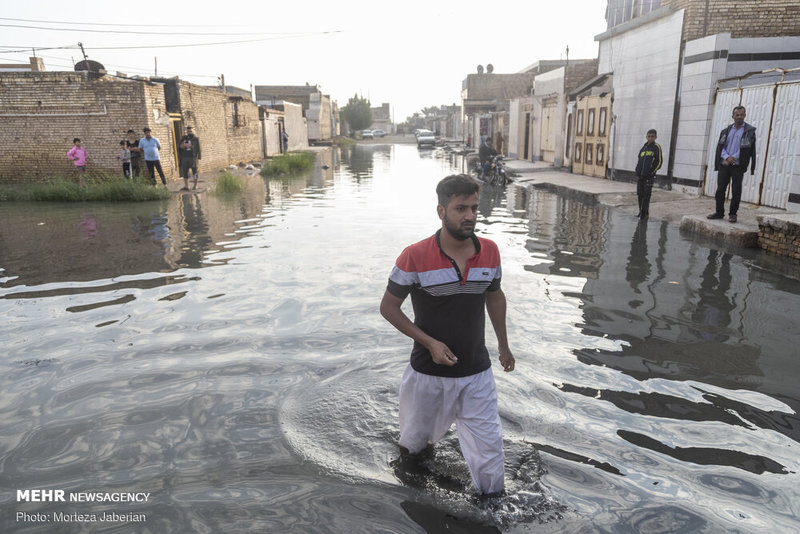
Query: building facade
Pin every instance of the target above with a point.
(669, 58)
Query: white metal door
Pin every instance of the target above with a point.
(784, 141)
(778, 129)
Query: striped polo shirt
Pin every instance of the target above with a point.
(448, 305)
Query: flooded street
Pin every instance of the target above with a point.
(227, 358)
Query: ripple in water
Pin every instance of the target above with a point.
(347, 425)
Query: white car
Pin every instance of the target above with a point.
(426, 137)
(378, 133)
(366, 134)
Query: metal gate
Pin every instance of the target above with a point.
(774, 110)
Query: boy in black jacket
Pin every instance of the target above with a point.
(649, 162)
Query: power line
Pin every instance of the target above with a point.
(22, 49)
(84, 30)
(130, 25)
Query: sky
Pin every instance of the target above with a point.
(411, 54)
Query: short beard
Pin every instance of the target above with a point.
(457, 233)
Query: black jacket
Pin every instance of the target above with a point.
(650, 160)
(485, 153)
(191, 152)
(747, 150)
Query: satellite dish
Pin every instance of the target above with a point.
(90, 65)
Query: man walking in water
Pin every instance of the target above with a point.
(451, 276)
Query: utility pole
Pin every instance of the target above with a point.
(86, 59)
(155, 62)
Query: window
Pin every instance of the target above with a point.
(569, 135)
(601, 124)
(590, 123)
(588, 156)
(601, 152)
(235, 113)
(577, 152)
(579, 125)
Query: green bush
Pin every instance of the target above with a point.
(289, 164)
(228, 185)
(108, 188)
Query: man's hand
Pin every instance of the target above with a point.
(507, 360)
(441, 354)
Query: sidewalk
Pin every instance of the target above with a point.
(687, 211)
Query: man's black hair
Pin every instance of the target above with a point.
(122, 143)
(652, 131)
(738, 107)
(455, 185)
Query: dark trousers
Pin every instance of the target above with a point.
(644, 189)
(136, 166)
(187, 164)
(152, 166)
(126, 169)
(732, 174)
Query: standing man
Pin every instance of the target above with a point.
(451, 276)
(735, 149)
(150, 147)
(285, 141)
(649, 162)
(188, 154)
(136, 153)
(485, 153)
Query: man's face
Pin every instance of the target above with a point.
(189, 132)
(738, 117)
(651, 138)
(147, 134)
(460, 215)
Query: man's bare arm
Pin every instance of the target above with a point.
(496, 307)
(391, 311)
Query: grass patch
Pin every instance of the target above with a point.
(228, 185)
(102, 188)
(289, 164)
(343, 141)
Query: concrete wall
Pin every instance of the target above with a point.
(645, 64)
(295, 126)
(698, 87)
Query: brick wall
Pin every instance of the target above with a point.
(779, 236)
(43, 111)
(740, 18)
(243, 130)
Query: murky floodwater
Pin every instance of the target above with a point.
(227, 358)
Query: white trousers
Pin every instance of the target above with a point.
(430, 404)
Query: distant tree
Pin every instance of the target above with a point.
(357, 113)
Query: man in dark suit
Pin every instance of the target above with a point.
(736, 149)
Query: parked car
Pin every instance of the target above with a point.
(378, 133)
(425, 137)
(366, 134)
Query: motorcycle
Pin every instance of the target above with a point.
(497, 172)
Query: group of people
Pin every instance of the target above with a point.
(735, 151)
(133, 151)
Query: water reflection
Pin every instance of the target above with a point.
(227, 356)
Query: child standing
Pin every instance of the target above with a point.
(649, 162)
(125, 156)
(78, 155)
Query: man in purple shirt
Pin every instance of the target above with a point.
(735, 149)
